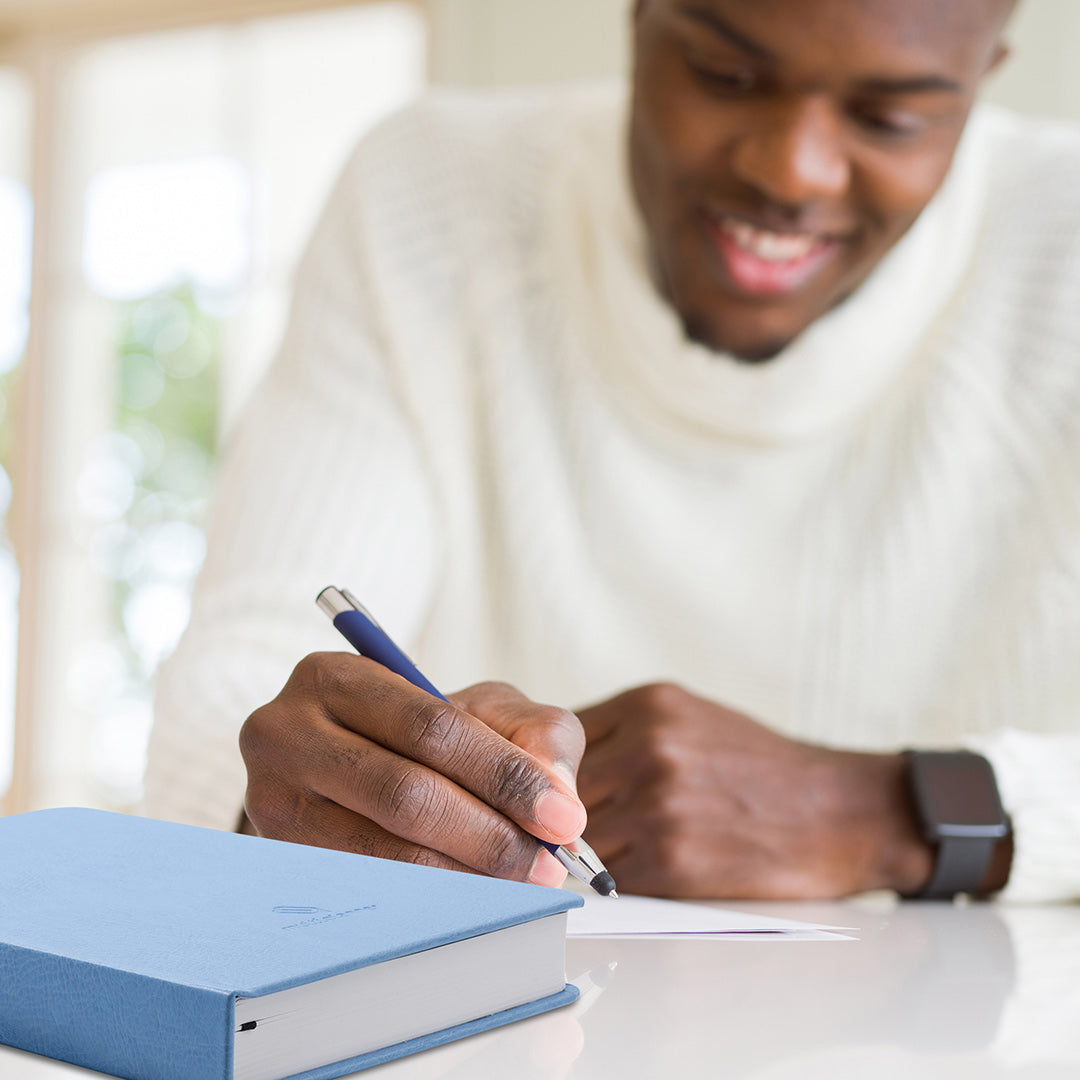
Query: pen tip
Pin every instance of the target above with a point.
(604, 884)
(613, 894)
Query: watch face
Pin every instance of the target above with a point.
(957, 795)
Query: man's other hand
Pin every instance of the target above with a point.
(689, 799)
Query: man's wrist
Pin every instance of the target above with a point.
(907, 857)
(876, 814)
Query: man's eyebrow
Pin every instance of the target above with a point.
(912, 84)
(722, 28)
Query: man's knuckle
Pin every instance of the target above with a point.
(506, 853)
(430, 729)
(427, 857)
(253, 736)
(366, 839)
(407, 795)
(276, 812)
(496, 689)
(660, 697)
(258, 805)
(554, 717)
(668, 757)
(369, 839)
(561, 727)
(307, 673)
(515, 783)
(318, 674)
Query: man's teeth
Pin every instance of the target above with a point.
(769, 246)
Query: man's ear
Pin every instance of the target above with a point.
(1002, 52)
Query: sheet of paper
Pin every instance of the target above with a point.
(631, 916)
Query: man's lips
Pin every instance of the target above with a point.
(758, 261)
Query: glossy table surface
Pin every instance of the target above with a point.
(930, 991)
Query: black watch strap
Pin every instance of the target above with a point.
(959, 867)
(956, 800)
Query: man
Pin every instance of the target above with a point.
(782, 406)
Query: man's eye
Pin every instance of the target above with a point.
(731, 81)
(896, 125)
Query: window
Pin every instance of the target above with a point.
(16, 215)
(188, 167)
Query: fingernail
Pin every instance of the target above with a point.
(560, 815)
(547, 870)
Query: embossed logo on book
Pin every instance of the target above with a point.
(318, 915)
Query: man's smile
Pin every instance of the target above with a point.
(757, 261)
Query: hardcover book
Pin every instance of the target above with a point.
(155, 951)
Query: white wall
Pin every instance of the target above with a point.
(1043, 74)
(494, 42)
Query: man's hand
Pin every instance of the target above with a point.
(687, 798)
(351, 756)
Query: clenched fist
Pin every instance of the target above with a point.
(689, 799)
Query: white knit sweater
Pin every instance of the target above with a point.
(486, 422)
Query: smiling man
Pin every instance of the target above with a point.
(777, 156)
(746, 407)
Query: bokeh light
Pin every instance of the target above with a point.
(151, 227)
(145, 483)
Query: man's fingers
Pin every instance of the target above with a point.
(325, 824)
(320, 762)
(366, 698)
(619, 764)
(601, 779)
(425, 808)
(600, 721)
(552, 735)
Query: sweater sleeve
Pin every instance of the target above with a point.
(1038, 776)
(324, 483)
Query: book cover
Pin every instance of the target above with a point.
(124, 941)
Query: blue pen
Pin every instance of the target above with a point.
(354, 622)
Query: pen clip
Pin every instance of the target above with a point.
(359, 607)
(334, 601)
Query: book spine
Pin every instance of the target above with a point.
(129, 1025)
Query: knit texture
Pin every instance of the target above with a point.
(486, 422)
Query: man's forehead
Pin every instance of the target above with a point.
(948, 28)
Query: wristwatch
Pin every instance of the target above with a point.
(956, 800)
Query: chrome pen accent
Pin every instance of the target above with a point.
(582, 863)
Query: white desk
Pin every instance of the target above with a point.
(929, 992)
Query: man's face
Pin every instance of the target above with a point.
(779, 148)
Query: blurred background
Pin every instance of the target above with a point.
(161, 164)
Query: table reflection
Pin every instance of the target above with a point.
(957, 991)
(930, 991)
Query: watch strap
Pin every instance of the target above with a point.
(966, 839)
(959, 867)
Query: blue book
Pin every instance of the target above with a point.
(155, 951)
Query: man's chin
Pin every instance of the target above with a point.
(748, 347)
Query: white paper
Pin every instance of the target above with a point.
(632, 916)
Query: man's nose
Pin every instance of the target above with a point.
(797, 155)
